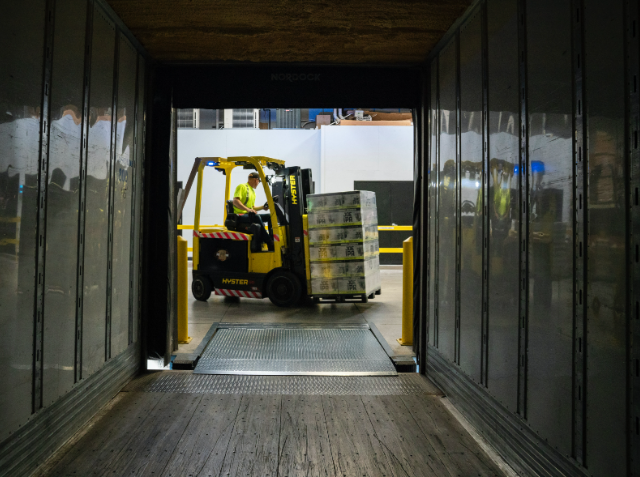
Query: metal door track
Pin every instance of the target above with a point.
(295, 352)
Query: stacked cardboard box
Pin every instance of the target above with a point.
(343, 243)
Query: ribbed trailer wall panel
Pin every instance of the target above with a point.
(22, 29)
(544, 363)
(550, 208)
(447, 201)
(471, 196)
(63, 192)
(97, 207)
(71, 80)
(606, 202)
(503, 205)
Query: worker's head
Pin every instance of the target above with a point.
(254, 179)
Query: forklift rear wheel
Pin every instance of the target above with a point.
(201, 288)
(365, 299)
(283, 288)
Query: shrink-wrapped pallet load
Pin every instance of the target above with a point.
(343, 243)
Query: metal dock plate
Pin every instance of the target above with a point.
(295, 352)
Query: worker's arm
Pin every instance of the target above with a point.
(237, 202)
(262, 207)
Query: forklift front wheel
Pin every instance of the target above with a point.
(283, 288)
(201, 288)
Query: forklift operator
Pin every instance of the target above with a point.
(244, 199)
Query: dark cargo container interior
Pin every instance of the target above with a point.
(525, 213)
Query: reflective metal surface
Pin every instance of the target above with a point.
(471, 196)
(557, 237)
(123, 178)
(433, 194)
(503, 201)
(295, 351)
(178, 382)
(62, 199)
(606, 258)
(447, 203)
(550, 212)
(138, 200)
(21, 58)
(99, 150)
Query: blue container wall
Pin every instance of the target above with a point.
(530, 261)
(72, 97)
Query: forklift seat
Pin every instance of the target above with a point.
(233, 225)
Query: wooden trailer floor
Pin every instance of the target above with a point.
(173, 423)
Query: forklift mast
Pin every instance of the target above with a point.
(308, 186)
(295, 190)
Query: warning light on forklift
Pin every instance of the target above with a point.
(212, 163)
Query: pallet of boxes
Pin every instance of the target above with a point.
(343, 246)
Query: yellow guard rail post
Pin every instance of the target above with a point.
(183, 292)
(407, 293)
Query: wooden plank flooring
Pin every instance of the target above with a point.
(304, 448)
(183, 434)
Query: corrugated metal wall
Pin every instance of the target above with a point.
(531, 163)
(72, 89)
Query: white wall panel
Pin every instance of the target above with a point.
(383, 153)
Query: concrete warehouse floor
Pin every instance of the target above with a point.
(385, 312)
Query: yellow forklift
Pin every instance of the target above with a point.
(229, 260)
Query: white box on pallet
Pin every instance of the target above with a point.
(360, 199)
(348, 251)
(324, 286)
(330, 235)
(358, 285)
(341, 218)
(346, 285)
(343, 243)
(352, 268)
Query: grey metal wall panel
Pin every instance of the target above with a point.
(503, 200)
(550, 212)
(122, 197)
(568, 61)
(36, 441)
(21, 60)
(433, 192)
(139, 196)
(447, 201)
(62, 199)
(471, 196)
(97, 203)
(606, 260)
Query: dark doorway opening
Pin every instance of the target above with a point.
(226, 86)
(395, 208)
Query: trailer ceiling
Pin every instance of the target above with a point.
(330, 31)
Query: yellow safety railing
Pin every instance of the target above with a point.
(395, 227)
(183, 292)
(407, 293)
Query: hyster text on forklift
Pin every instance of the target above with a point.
(231, 260)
